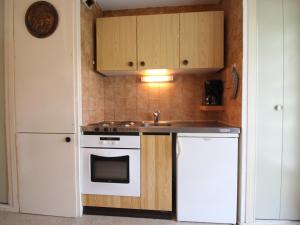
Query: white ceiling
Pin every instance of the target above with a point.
(133, 4)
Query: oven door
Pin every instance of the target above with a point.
(110, 171)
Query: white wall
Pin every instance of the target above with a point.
(3, 167)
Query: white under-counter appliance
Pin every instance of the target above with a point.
(207, 166)
(110, 161)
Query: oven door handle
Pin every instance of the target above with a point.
(110, 152)
(108, 158)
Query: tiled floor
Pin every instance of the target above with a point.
(25, 219)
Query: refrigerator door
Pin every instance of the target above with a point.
(207, 179)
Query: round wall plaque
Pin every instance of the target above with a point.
(41, 19)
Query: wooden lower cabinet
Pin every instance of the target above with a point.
(111, 201)
(156, 179)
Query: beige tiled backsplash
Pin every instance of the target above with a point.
(92, 83)
(127, 98)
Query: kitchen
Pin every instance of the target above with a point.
(156, 112)
(143, 112)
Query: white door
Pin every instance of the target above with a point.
(290, 190)
(47, 174)
(278, 149)
(207, 179)
(45, 72)
(3, 165)
(269, 120)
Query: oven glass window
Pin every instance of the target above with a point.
(110, 169)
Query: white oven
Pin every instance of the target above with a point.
(110, 165)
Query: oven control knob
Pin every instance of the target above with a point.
(114, 129)
(97, 129)
(105, 129)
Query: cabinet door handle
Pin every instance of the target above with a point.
(185, 62)
(68, 139)
(143, 63)
(130, 64)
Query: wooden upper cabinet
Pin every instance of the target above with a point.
(158, 41)
(202, 40)
(156, 168)
(116, 43)
(164, 41)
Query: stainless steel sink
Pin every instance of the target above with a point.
(159, 124)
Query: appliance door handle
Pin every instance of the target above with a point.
(178, 148)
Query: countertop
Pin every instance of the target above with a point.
(192, 127)
(180, 127)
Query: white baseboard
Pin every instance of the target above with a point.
(277, 222)
(272, 222)
(7, 208)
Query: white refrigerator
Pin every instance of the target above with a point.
(207, 177)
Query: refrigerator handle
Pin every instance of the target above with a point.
(178, 148)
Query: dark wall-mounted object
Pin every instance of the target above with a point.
(88, 3)
(236, 79)
(213, 92)
(41, 19)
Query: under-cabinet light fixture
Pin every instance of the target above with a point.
(156, 72)
(156, 76)
(157, 79)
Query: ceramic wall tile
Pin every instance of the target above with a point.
(126, 98)
(92, 83)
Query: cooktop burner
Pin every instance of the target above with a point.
(113, 126)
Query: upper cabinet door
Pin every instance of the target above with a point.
(202, 40)
(116, 43)
(158, 41)
(45, 73)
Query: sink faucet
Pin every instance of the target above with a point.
(156, 115)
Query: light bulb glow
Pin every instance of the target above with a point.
(156, 72)
(157, 78)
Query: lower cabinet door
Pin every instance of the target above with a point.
(47, 174)
(156, 186)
